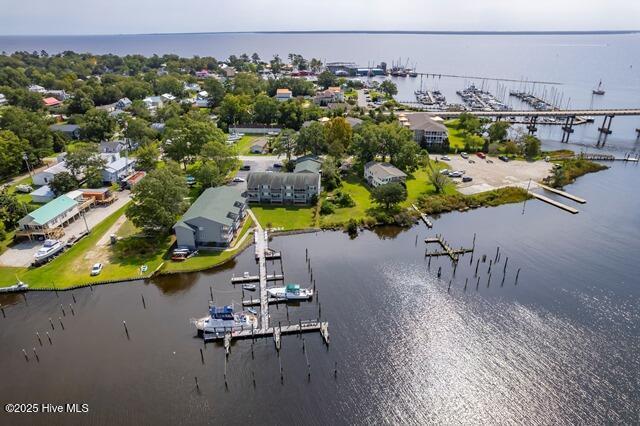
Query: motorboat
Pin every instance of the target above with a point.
(223, 319)
(16, 288)
(250, 287)
(48, 250)
(290, 292)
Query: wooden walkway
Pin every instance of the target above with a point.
(423, 216)
(454, 254)
(554, 203)
(563, 194)
(301, 327)
(256, 278)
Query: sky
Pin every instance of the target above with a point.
(61, 17)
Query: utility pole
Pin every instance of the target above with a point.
(25, 157)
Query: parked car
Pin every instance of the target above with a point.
(504, 158)
(96, 269)
(456, 174)
(25, 189)
(238, 179)
(464, 155)
(445, 158)
(467, 179)
(245, 167)
(277, 165)
(445, 172)
(481, 155)
(472, 162)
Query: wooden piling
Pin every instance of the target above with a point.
(477, 283)
(61, 324)
(144, 304)
(201, 356)
(51, 322)
(2, 309)
(36, 355)
(72, 311)
(39, 339)
(335, 369)
(211, 292)
(466, 280)
(49, 337)
(517, 275)
(497, 253)
(489, 280)
(477, 264)
(62, 308)
(125, 328)
(197, 385)
(505, 264)
(439, 271)
(25, 355)
(73, 296)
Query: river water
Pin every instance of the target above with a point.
(560, 346)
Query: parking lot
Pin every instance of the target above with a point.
(487, 176)
(263, 163)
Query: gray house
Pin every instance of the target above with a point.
(213, 220)
(282, 188)
(72, 131)
(428, 132)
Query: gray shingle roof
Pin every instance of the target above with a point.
(278, 180)
(422, 121)
(382, 170)
(215, 204)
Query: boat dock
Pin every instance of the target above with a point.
(454, 254)
(257, 302)
(256, 278)
(563, 194)
(423, 216)
(554, 203)
(252, 333)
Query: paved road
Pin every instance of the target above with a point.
(362, 99)
(21, 255)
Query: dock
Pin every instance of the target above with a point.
(554, 203)
(454, 254)
(563, 194)
(256, 278)
(270, 301)
(249, 333)
(423, 216)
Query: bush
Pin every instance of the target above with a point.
(326, 208)
(352, 227)
(343, 199)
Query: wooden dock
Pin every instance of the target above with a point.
(563, 194)
(249, 333)
(454, 254)
(554, 203)
(256, 278)
(423, 216)
(270, 300)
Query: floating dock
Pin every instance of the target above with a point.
(554, 203)
(563, 194)
(302, 327)
(256, 278)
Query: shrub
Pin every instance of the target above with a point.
(326, 208)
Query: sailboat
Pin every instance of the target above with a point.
(599, 90)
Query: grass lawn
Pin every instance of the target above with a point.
(209, 259)
(456, 136)
(243, 146)
(286, 218)
(73, 266)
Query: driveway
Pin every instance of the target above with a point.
(258, 163)
(362, 99)
(21, 255)
(489, 176)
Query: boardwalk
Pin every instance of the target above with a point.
(563, 194)
(549, 113)
(301, 327)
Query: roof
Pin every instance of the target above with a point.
(353, 121)
(119, 164)
(422, 121)
(43, 191)
(52, 209)
(260, 143)
(110, 145)
(382, 170)
(308, 163)
(278, 180)
(214, 204)
(56, 168)
(284, 91)
(51, 101)
(64, 128)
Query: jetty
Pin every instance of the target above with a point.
(423, 216)
(256, 278)
(454, 254)
(554, 203)
(251, 333)
(563, 194)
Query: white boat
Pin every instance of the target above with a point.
(250, 287)
(290, 292)
(20, 286)
(223, 320)
(49, 249)
(253, 311)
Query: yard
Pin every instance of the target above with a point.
(285, 217)
(456, 136)
(243, 146)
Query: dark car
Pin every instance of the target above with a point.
(245, 167)
(504, 158)
(277, 165)
(467, 179)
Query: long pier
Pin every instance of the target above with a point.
(554, 203)
(545, 113)
(250, 333)
(423, 216)
(563, 194)
(256, 278)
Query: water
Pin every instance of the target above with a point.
(560, 347)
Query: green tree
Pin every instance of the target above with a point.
(330, 174)
(81, 102)
(312, 139)
(389, 88)
(184, 138)
(468, 123)
(12, 149)
(498, 131)
(327, 79)
(158, 200)
(218, 152)
(11, 209)
(246, 83)
(29, 126)
(81, 157)
(338, 134)
(234, 109)
(265, 109)
(285, 143)
(209, 175)
(138, 130)
(97, 125)
(291, 114)
(62, 183)
(438, 180)
(216, 91)
(511, 148)
(531, 147)
(366, 142)
(169, 84)
(276, 64)
(389, 195)
(147, 157)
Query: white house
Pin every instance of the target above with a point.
(123, 103)
(283, 94)
(117, 167)
(45, 176)
(42, 195)
(55, 214)
(191, 87)
(377, 173)
(167, 97)
(37, 89)
(152, 102)
(3, 99)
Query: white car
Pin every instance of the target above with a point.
(238, 179)
(97, 268)
(456, 174)
(445, 158)
(445, 172)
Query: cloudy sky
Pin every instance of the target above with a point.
(167, 16)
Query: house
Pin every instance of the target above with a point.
(331, 95)
(123, 103)
(427, 132)
(37, 89)
(213, 220)
(191, 87)
(72, 131)
(377, 173)
(56, 214)
(3, 99)
(117, 168)
(229, 72)
(51, 102)
(308, 164)
(167, 97)
(203, 94)
(255, 129)
(113, 147)
(259, 146)
(45, 176)
(353, 121)
(283, 188)
(158, 127)
(202, 74)
(42, 195)
(284, 94)
(338, 95)
(200, 103)
(152, 102)
(60, 95)
(99, 195)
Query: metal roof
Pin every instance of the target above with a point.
(215, 204)
(52, 209)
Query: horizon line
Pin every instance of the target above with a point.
(407, 32)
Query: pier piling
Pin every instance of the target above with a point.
(62, 309)
(73, 313)
(61, 324)
(489, 280)
(125, 328)
(49, 337)
(73, 296)
(466, 280)
(36, 355)
(39, 339)
(477, 283)
(51, 322)
(25, 355)
(517, 275)
(2, 309)
(201, 356)
(144, 304)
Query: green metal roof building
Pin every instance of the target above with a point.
(55, 213)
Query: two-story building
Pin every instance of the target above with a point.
(377, 173)
(49, 219)
(284, 94)
(283, 188)
(427, 132)
(213, 220)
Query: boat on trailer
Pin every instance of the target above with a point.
(48, 251)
